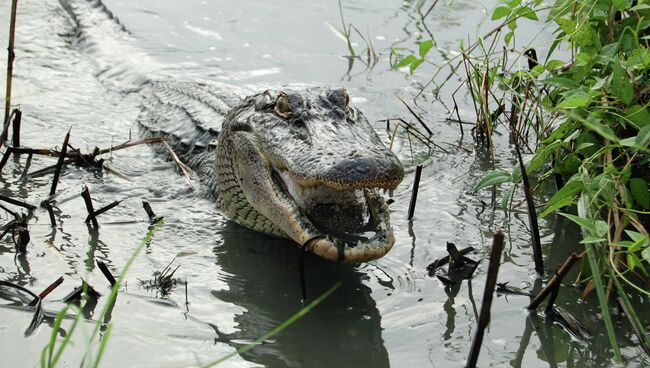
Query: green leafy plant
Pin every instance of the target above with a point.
(582, 112)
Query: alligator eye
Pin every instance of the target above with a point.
(282, 106)
(264, 102)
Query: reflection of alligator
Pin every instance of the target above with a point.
(343, 331)
(299, 164)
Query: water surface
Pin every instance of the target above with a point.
(242, 284)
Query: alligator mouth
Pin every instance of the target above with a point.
(353, 225)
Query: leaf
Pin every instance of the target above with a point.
(587, 225)
(527, 12)
(500, 12)
(646, 254)
(513, 3)
(603, 130)
(635, 236)
(508, 37)
(566, 83)
(551, 65)
(558, 204)
(406, 61)
(622, 85)
(643, 138)
(639, 189)
(576, 99)
(425, 46)
(638, 244)
(601, 227)
(415, 64)
(638, 116)
(634, 262)
(640, 7)
(591, 239)
(563, 197)
(494, 177)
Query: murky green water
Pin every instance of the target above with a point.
(242, 284)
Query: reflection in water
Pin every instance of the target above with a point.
(262, 274)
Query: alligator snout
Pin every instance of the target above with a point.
(364, 172)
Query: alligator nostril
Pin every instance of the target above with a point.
(363, 168)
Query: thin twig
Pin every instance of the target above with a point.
(85, 193)
(59, 164)
(414, 193)
(532, 215)
(555, 280)
(181, 165)
(47, 291)
(10, 66)
(488, 295)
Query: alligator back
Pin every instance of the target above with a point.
(190, 116)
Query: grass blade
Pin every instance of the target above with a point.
(583, 211)
(102, 345)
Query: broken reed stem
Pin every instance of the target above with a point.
(152, 215)
(102, 210)
(15, 137)
(50, 212)
(28, 164)
(414, 193)
(47, 291)
(16, 202)
(488, 294)
(5, 158)
(59, 164)
(444, 260)
(532, 214)
(85, 193)
(184, 169)
(555, 281)
(416, 117)
(107, 273)
(187, 302)
(10, 63)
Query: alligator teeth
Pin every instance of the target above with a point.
(390, 192)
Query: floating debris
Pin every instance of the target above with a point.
(163, 281)
(504, 288)
(444, 260)
(77, 292)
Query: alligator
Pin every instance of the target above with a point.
(299, 164)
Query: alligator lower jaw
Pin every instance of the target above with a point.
(363, 250)
(370, 241)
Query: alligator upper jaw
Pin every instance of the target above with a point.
(352, 226)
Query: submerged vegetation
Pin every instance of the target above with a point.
(581, 111)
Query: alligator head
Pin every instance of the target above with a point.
(308, 166)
